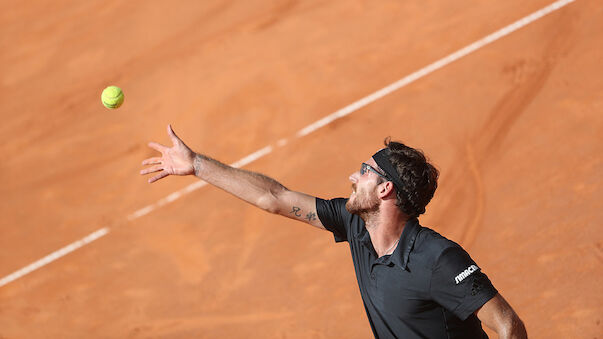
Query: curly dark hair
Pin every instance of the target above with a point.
(420, 178)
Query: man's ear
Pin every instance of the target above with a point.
(386, 189)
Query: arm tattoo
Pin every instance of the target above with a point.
(296, 211)
(311, 216)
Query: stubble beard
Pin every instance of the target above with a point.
(362, 204)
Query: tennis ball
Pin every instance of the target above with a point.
(112, 97)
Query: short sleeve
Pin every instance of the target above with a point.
(333, 216)
(458, 284)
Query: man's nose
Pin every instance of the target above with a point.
(354, 177)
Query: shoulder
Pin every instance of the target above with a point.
(332, 208)
(336, 218)
(432, 245)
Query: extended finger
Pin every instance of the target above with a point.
(152, 161)
(151, 169)
(157, 177)
(157, 147)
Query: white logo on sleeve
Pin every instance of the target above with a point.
(465, 273)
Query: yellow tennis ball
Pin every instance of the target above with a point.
(112, 97)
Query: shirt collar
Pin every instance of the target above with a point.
(365, 239)
(406, 243)
(402, 251)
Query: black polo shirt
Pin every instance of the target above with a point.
(429, 287)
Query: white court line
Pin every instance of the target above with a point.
(433, 67)
(54, 256)
(304, 131)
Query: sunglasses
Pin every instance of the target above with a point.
(366, 167)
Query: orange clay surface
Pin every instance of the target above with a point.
(515, 129)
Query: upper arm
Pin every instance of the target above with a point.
(498, 315)
(458, 284)
(298, 206)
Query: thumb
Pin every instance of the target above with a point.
(173, 136)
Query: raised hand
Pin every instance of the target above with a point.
(177, 160)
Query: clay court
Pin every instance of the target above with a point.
(515, 127)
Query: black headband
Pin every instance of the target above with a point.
(382, 159)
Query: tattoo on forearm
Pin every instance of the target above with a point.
(296, 211)
(311, 216)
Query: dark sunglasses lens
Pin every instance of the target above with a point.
(362, 169)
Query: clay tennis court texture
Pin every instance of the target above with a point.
(514, 126)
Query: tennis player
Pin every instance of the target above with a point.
(414, 282)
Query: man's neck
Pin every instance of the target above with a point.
(385, 228)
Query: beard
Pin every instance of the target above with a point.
(362, 203)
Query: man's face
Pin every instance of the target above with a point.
(364, 198)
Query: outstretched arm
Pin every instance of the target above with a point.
(498, 315)
(254, 188)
